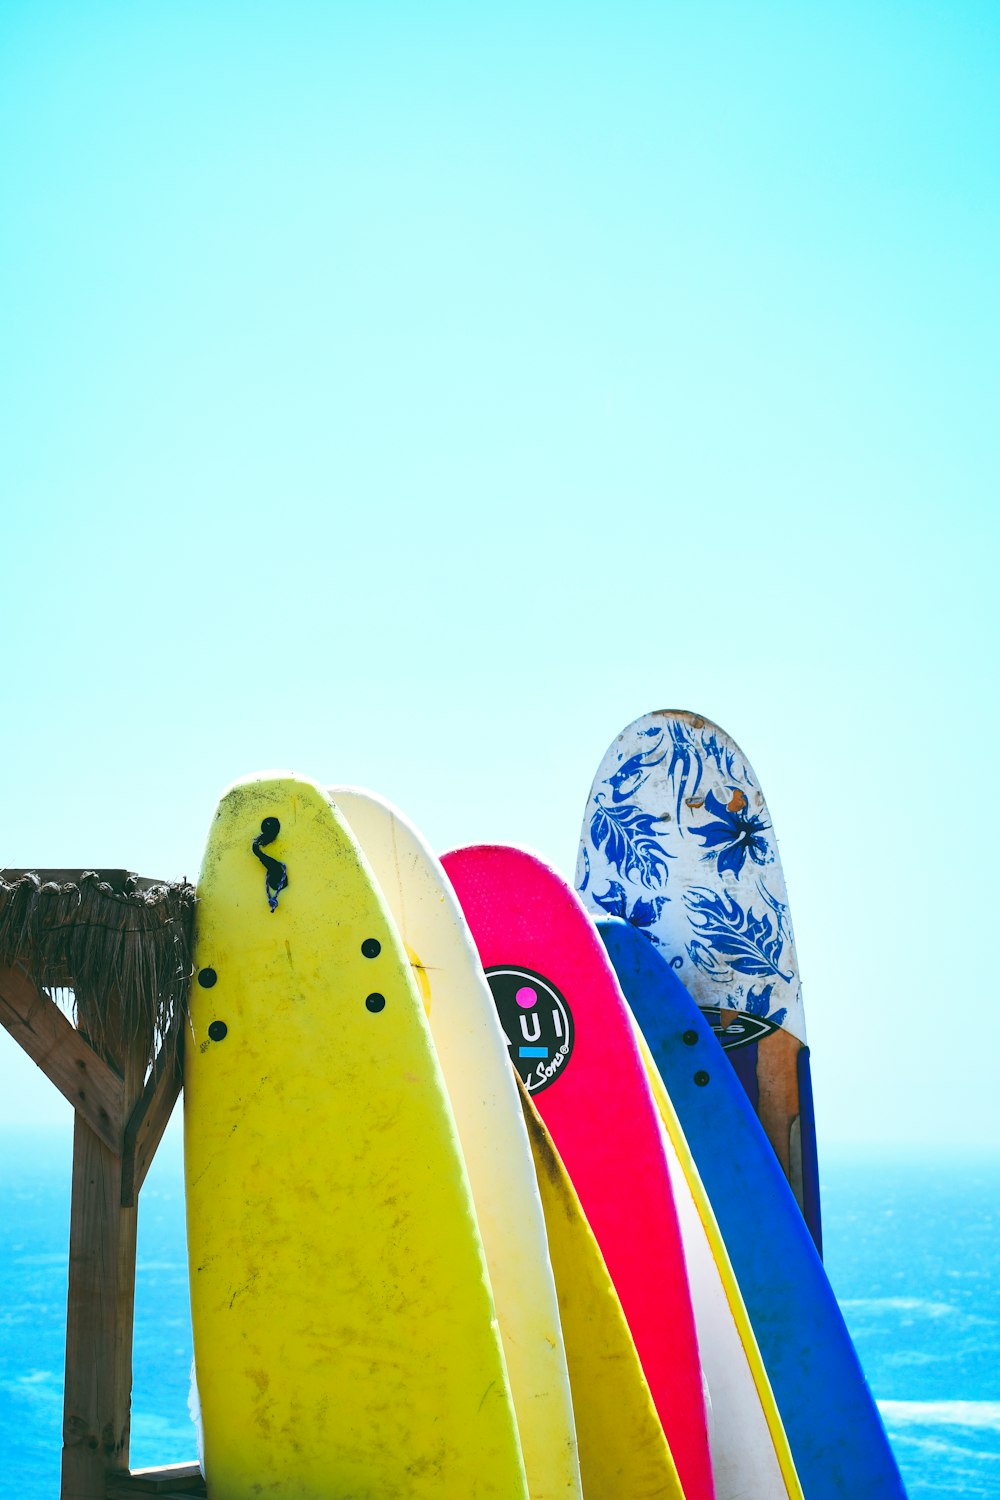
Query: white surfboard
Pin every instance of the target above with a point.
(678, 840)
(472, 1051)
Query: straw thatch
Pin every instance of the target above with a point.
(124, 949)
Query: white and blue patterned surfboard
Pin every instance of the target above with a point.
(677, 839)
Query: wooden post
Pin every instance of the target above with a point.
(99, 1319)
(117, 1127)
(100, 1308)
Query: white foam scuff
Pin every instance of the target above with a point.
(918, 1305)
(981, 1415)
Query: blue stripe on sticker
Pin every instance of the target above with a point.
(532, 1051)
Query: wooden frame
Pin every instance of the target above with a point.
(120, 1119)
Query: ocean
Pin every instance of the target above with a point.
(911, 1248)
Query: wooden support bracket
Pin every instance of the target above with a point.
(93, 1088)
(151, 1115)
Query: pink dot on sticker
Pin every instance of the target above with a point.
(526, 996)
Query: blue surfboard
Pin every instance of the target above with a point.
(834, 1429)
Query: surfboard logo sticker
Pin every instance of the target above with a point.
(741, 1027)
(536, 1021)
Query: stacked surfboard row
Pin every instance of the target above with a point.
(500, 1189)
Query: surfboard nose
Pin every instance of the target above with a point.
(332, 1237)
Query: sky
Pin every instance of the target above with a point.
(413, 396)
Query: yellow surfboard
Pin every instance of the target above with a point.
(482, 1087)
(344, 1330)
(623, 1451)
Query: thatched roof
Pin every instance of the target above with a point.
(122, 944)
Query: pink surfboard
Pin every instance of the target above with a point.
(571, 1040)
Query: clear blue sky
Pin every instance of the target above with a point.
(413, 395)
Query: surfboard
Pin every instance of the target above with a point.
(751, 1458)
(623, 1450)
(834, 1429)
(344, 1329)
(677, 839)
(571, 1041)
(472, 1052)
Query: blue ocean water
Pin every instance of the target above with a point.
(911, 1247)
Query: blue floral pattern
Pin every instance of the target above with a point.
(677, 840)
(641, 914)
(760, 1004)
(626, 780)
(694, 752)
(735, 834)
(630, 841)
(728, 933)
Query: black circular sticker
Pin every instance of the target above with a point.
(536, 1022)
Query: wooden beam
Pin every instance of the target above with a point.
(174, 1479)
(151, 1115)
(93, 1088)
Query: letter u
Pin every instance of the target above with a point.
(531, 1036)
